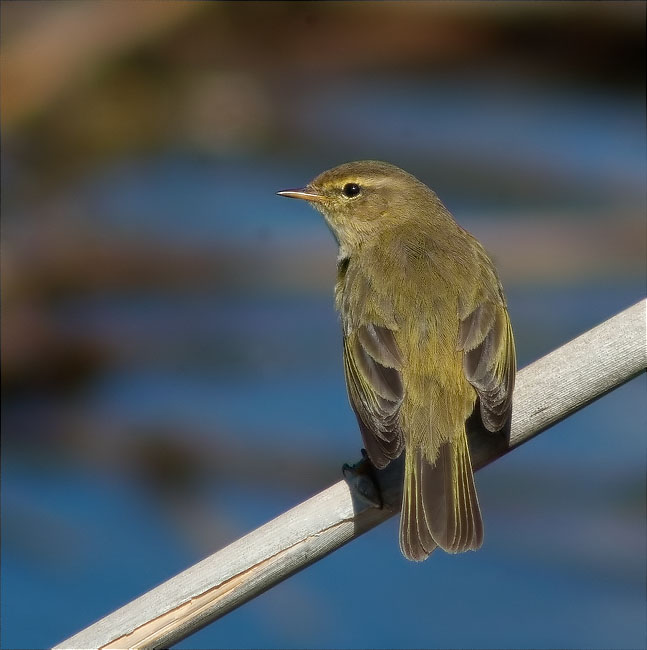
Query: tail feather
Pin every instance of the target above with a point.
(439, 504)
(416, 541)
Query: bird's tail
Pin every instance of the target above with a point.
(439, 502)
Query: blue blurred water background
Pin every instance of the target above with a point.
(171, 356)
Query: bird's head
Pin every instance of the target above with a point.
(362, 199)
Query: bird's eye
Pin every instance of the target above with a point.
(351, 189)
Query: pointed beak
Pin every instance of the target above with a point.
(304, 193)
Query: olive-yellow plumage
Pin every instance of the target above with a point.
(427, 339)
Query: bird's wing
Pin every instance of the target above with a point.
(372, 365)
(489, 361)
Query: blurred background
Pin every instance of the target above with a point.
(171, 360)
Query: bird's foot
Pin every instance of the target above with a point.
(361, 478)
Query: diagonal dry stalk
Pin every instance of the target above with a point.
(547, 391)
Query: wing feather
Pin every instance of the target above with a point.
(489, 361)
(372, 365)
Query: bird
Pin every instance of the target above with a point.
(427, 342)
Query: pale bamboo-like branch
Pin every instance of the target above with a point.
(547, 391)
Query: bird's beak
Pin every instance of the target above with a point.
(303, 193)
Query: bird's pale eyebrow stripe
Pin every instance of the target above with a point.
(370, 183)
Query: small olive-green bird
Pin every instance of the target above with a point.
(427, 340)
